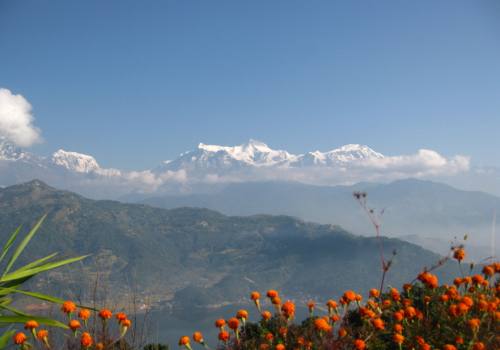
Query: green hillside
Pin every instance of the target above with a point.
(189, 258)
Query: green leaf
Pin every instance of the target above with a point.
(37, 262)
(32, 294)
(9, 243)
(14, 310)
(5, 338)
(24, 319)
(23, 245)
(18, 274)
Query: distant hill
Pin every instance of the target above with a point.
(185, 257)
(426, 212)
(192, 264)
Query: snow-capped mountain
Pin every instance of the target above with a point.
(10, 152)
(219, 158)
(210, 164)
(256, 154)
(73, 161)
(351, 153)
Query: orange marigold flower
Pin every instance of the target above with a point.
(42, 334)
(271, 293)
(478, 346)
(255, 296)
(398, 328)
(266, 315)
(378, 323)
(374, 293)
(120, 316)
(410, 312)
(220, 323)
(419, 340)
(99, 346)
(462, 308)
(31, 324)
(224, 336)
(288, 309)
(398, 315)
(184, 340)
(342, 332)
(322, 325)
(459, 254)
(331, 304)
(310, 305)
(84, 314)
(283, 331)
(488, 270)
(126, 323)
(478, 279)
(280, 347)
(19, 338)
(449, 347)
(473, 324)
(198, 337)
(334, 318)
(86, 340)
(359, 344)
(74, 325)
(105, 314)
(276, 301)
(482, 305)
(467, 301)
(68, 307)
(398, 338)
(242, 314)
(459, 340)
(233, 323)
(269, 336)
(386, 303)
(349, 296)
(395, 294)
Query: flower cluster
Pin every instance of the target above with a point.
(77, 323)
(423, 315)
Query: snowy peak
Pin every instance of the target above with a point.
(353, 152)
(251, 154)
(8, 151)
(257, 154)
(78, 162)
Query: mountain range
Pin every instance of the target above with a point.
(191, 263)
(212, 165)
(427, 213)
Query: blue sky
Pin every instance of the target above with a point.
(136, 82)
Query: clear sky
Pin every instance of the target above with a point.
(136, 82)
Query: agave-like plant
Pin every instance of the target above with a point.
(11, 282)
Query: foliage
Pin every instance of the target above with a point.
(422, 315)
(12, 280)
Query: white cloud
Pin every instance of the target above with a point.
(16, 120)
